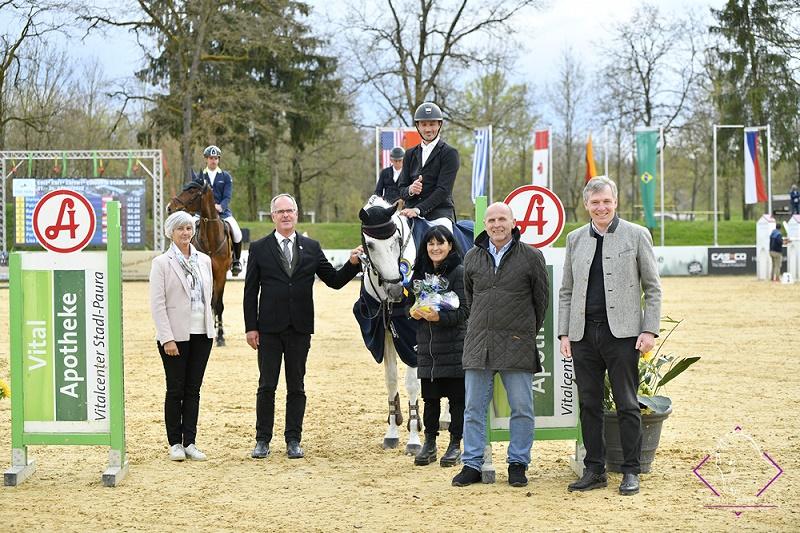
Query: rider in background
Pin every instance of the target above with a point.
(429, 171)
(386, 187)
(222, 184)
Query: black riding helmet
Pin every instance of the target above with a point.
(428, 111)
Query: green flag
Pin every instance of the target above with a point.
(646, 149)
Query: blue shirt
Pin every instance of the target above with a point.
(498, 254)
(776, 241)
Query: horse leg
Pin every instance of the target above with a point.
(392, 437)
(414, 423)
(218, 308)
(444, 417)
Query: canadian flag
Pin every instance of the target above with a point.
(541, 161)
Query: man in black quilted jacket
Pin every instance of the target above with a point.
(506, 289)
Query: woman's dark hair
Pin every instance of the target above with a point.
(423, 265)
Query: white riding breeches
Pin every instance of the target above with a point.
(443, 221)
(235, 231)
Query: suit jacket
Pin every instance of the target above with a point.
(223, 189)
(276, 297)
(170, 299)
(438, 178)
(629, 269)
(386, 186)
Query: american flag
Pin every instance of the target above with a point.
(389, 139)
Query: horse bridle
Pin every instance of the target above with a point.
(382, 232)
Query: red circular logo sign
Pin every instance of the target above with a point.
(539, 214)
(63, 221)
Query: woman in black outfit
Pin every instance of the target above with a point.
(440, 343)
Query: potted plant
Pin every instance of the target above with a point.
(656, 369)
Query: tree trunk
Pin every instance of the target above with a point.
(297, 180)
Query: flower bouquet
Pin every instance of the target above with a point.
(431, 294)
(5, 390)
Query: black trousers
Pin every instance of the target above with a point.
(291, 347)
(597, 352)
(432, 393)
(184, 375)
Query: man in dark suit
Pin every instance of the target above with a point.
(429, 171)
(279, 317)
(387, 180)
(221, 183)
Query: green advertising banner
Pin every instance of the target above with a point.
(65, 339)
(646, 153)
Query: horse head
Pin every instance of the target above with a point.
(386, 239)
(192, 199)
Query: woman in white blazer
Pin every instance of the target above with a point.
(180, 302)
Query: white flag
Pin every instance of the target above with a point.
(480, 162)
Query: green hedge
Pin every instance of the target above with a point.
(699, 233)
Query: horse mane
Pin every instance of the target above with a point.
(192, 185)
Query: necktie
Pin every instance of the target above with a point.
(287, 252)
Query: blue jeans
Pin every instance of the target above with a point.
(479, 385)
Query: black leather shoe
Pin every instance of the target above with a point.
(453, 454)
(293, 450)
(427, 454)
(261, 450)
(629, 485)
(236, 268)
(467, 476)
(589, 481)
(516, 475)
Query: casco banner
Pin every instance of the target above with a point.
(732, 261)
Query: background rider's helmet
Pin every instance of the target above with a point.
(397, 153)
(428, 111)
(212, 151)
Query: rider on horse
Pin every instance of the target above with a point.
(221, 183)
(429, 171)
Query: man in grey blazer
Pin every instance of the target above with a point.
(603, 326)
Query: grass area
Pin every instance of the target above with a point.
(345, 235)
(696, 233)
(332, 235)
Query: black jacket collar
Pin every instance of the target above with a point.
(611, 227)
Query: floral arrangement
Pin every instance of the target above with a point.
(5, 390)
(656, 369)
(432, 295)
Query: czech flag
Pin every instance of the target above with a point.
(754, 190)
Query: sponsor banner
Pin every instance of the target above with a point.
(733, 260)
(682, 260)
(554, 391)
(65, 367)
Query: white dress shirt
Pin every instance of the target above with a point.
(427, 149)
(292, 237)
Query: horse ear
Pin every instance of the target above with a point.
(395, 206)
(363, 215)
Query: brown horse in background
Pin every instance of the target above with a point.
(212, 238)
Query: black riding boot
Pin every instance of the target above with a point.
(427, 454)
(236, 266)
(453, 454)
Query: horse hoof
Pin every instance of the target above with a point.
(413, 449)
(390, 444)
(220, 342)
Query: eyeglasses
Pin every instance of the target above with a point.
(284, 212)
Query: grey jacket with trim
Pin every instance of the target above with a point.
(629, 270)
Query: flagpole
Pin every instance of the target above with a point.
(549, 158)
(491, 176)
(661, 175)
(377, 153)
(605, 151)
(769, 173)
